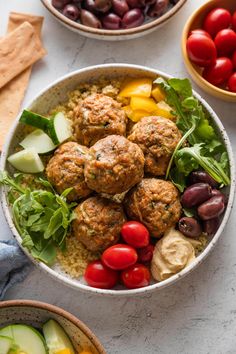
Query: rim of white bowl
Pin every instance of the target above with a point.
(113, 33)
(156, 286)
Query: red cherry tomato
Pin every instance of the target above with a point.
(234, 20)
(232, 83)
(135, 234)
(216, 20)
(234, 59)
(200, 31)
(201, 50)
(119, 257)
(145, 254)
(136, 276)
(98, 275)
(225, 42)
(219, 72)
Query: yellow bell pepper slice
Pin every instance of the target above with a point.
(139, 114)
(143, 103)
(164, 110)
(138, 87)
(63, 351)
(128, 111)
(158, 94)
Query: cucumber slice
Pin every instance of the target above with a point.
(26, 161)
(26, 338)
(38, 140)
(5, 344)
(35, 120)
(56, 338)
(60, 128)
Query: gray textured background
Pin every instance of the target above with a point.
(198, 314)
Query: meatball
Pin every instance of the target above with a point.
(97, 117)
(98, 222)
(155, 203)
(157, 137)
(66, 169)
(115, 165)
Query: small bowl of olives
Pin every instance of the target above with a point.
(113, 19)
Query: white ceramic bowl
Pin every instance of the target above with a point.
(35, 313)
(56, 93)
(113, 35)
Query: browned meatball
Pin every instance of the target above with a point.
(97, 117)
(157, 138)
(66, 169)
(114, 166)
(98, 223)
(155, 203)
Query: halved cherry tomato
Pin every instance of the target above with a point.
(119, 257)
(225, 42)
(200, 31)
(219, 72)
(232, 83)
(216, 20)
(135, 234)
(145, 254)
(201, 50)
(234, 21)
(234, 59)
(136, 276)
(98, 275)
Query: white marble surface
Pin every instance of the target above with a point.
(198, 314)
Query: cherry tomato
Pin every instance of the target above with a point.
(234, 20)
(119, 257)
(137, 276)
(232, 83)
(200, 31)
(135, 234)
(216, 20)
(145, 254)
(219, 72)
(225, 42)
(201, 50)
(234, 59)
(98, 275)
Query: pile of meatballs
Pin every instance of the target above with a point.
(107, 159)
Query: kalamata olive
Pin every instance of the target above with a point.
(89, 19)
(59, 4)
(133, 4)
(190, 227)
(219, 193)
(90, 6)
(158, 9)
(196, 194)
(103, 5)
(120, 7)
(174, 1)
(132, 18)
(211, 226)
(148, 2)
(71, 11)
(212, 208)
(202, 176)
(111, 21)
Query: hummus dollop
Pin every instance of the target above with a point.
(172, 253)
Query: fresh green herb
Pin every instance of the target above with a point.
(205, 150)
(41, 217)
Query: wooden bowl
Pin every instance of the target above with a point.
(113, 35)
(35, 313)
(196, 21)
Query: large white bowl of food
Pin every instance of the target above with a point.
(117, 179)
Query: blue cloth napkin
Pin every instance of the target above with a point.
(14, 265)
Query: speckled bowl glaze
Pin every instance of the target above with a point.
(113, 35)
(36, 313)
(57, 93)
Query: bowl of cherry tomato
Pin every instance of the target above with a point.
(209, 48)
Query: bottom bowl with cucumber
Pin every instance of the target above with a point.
(31, 327)
(62, 185)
